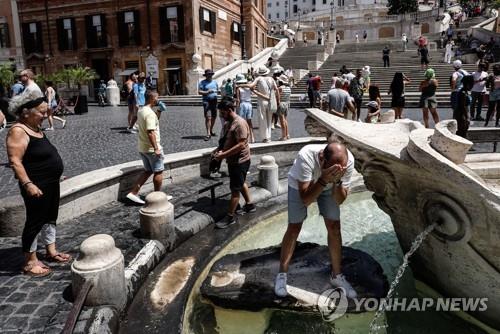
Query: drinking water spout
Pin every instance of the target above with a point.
(374, 328)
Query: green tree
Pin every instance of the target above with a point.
(402, 6)
(6, 75)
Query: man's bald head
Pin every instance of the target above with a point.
(335, 153)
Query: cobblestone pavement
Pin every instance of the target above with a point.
(42, 305)
(97, 139)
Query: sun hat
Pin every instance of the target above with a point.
(240, 79)
(208, 72)
(372, 104)
(263, 71)
(283, 79)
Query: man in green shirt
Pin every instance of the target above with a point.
(151, 152)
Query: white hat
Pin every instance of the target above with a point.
(240, 79)
(457, 63)
(263, 71)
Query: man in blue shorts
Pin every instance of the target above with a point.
(208, 88)
(319, 174)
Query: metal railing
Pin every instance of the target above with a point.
(69, 326)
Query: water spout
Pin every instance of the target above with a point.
(374, 328)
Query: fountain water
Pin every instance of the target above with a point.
(374, 328)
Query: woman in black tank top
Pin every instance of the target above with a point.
(38, 167)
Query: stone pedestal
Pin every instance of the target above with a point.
(113, 93)
(194, 75)
(330, 47)
(268, 174)
(101, 262)
(157, 219)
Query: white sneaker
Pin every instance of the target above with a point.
(280, 285)
(272, 126)
(278, 126)
(49, 129)
(169, 197)
(135, 198)
(341, 282)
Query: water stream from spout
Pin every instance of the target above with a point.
(374, 328)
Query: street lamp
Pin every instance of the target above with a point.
(332, 6)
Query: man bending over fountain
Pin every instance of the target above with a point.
(323, 175)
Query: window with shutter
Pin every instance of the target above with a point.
(170, 23)
(96, 31)
(207, 20)
(66, 34)
(4, 36)
(236, 32)
(32, 37)
(129, 32)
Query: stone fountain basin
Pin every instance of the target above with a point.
(245, 281)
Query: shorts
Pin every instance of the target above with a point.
(238, 175)
(424, 60)
(398, 102)
(428, 102)
(246, 111)
(297, 211)
(152, 163)
(210, 105)
(283, 108)
(317, 94)
(495, 95)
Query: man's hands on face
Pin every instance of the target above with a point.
(333, 174)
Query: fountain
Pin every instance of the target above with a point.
(421, 177)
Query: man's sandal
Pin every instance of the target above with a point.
(58, 257)
(27, 270)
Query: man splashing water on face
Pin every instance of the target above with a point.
(323, 175)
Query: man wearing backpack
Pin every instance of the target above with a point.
(456, 82)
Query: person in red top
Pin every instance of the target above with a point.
(316, 86)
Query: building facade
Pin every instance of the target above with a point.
(10, 34)
(159, 37)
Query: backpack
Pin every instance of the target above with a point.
(124, 91)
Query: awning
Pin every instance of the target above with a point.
(127, 71)
(171, 69)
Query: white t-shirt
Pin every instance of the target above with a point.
(479, 87)
(33, 90)
(245, 94)
(306, 167)
(264, 85)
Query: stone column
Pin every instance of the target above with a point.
(268, 174)
(101, 262)
(157, 219)
(113, 93)
(194, 75)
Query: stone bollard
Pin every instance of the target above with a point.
(157, 218)
(268, 174)
(102, 262)
(113, 93)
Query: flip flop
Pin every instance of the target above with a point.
(207, 138)
(27, 270)
(59, 258)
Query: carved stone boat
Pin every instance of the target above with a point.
(420, 177)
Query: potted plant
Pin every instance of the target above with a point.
(6, 80)
(77, 76)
